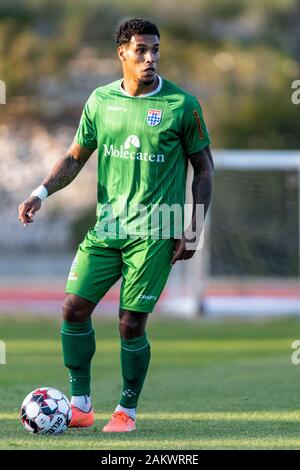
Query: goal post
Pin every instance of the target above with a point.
(250, 259)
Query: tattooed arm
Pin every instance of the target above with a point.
(203, 167)
(66, 169)
(62, 174)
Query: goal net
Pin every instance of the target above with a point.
(250, 259)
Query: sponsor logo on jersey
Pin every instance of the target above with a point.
(199, 125)
(132, 140)
(131, 150)
(154, 117)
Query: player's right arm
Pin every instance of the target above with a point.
(62, 174)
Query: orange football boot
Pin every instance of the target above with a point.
(120, 422)
(81, 419)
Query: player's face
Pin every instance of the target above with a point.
(140, 57)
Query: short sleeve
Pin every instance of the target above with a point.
(86, 135)
(194, 133)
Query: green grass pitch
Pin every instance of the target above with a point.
(221, 385)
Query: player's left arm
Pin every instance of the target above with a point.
(202, 163)
(203, 166)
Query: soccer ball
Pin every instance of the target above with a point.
(46, 411)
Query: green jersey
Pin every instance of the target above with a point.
(143, 143)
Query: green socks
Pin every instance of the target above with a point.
(135, 358)
(79, 346)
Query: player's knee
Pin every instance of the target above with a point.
(131, 327)
(129, 330)
(74, 311)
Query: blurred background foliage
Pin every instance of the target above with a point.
(238, 57)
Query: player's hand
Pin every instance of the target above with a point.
(180, 251)
(28, 208)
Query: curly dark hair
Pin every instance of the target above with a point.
(132, 27)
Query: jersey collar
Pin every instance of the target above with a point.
(151, 93)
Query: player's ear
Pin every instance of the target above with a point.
(121, 53)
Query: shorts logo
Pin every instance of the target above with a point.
(73, 276)
(154, 117)
(147, 297)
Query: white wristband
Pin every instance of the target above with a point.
(40, 192)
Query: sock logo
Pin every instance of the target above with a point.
(129, 393)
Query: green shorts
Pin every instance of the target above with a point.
(144, 265)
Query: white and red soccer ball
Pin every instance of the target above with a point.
(46, 411)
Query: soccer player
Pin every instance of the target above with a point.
(145, 130)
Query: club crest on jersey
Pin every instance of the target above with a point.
(154, 117)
